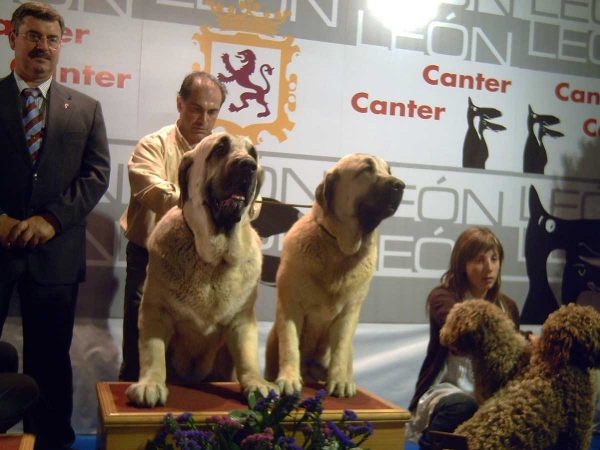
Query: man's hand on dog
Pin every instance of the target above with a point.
(31, 232)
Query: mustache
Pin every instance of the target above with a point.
(39, 53)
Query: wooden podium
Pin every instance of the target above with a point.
(17, 441)
(122, 426)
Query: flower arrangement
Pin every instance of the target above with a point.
(260, 427)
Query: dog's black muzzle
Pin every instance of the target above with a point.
(382, 202)
(237, 184)
(241, 172)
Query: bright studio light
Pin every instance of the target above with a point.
(404, 15)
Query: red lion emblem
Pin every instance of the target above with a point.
(242, 77)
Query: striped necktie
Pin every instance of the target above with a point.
(33, 122)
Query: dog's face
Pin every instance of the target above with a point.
(471, 324)
(221, 174)
(360, 186)
(571, 335)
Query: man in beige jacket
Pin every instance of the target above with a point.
(153, 169)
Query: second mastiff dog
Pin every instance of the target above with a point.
(197, 320)
(327, 262)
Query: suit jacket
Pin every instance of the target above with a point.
(69, 179)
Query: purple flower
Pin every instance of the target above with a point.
(170, 424)
(317, 436)
(259, 441)
(161, 438)
(183, 418)
(264, 420)
(263, 402)
(349, 415)
(340, 435)
(313, 405)
(179, 436)
(272, 396)
(224, 422)
(204, 437)
(289, 402)
(365, 429)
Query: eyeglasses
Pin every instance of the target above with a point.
(53, 42)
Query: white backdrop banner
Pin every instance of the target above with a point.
(487, 100)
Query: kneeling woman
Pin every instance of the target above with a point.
(444, 393)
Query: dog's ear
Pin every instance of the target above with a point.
(260, 178)
(555, 348)
(458, 334)
(570, 335)
(184, 168)
(325, 191)
(585, 353)
(464, 342)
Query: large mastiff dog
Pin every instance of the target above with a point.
(197, 320)
(327, 262)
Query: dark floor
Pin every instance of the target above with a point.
(408, 446)
(88, 442)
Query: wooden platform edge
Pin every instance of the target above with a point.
(105, 399)
(27, 442)
(111, 417)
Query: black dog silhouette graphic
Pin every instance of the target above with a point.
(535, 157)
(274, 218)
(580, 239)
(475, 149)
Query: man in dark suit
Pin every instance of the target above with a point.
(46, 193)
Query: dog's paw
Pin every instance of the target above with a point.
(341, 388)
(288, 387)
(149, 393)
(261, 386)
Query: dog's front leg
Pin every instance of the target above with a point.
(156, 331)
(340, 380)
(289, 322)
(242, 340)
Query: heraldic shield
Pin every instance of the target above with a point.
(252, 62)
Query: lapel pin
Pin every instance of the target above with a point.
(66, 105)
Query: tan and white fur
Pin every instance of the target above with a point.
(327, 262)
(197, 320)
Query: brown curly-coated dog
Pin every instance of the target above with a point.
(553, 403)
(474, 327)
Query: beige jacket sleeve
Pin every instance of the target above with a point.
(153, 170)
(149, 178)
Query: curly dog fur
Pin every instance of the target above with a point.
(474, 327)
(553, 403)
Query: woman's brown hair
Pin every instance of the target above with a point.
(469, 244)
